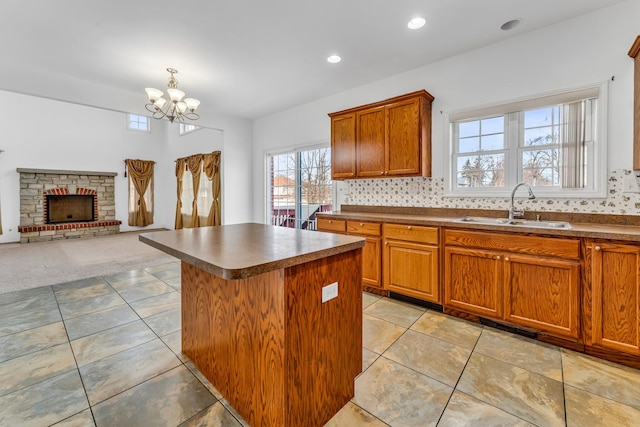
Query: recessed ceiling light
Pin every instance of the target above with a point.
(334, 59)
(510, 24)
(417, 22)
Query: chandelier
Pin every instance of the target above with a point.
(177, 108)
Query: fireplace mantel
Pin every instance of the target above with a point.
(65, 172)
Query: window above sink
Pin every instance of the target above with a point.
(556, 143)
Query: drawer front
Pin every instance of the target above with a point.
(332, 225)
(533, 245)
(412, 233)
(366, 228)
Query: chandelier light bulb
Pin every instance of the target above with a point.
(177, 109)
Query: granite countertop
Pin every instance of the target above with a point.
(239, 251)
(615, 230)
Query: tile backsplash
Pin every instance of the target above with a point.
(429, 192)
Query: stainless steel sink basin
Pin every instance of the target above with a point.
(557, 225)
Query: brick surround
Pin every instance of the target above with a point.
(35, 184)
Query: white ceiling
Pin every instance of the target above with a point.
(244, 58)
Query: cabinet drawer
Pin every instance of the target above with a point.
(533, 245)
(366, 228)
(333, 225)
(413, 233)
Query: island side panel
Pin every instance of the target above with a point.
(234, 332)
(324, 340)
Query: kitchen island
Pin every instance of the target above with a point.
(272, 317)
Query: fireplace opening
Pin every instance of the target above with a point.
(69, 208)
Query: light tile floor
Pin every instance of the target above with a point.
(105, 351)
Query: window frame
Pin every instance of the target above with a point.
(129, 117)
(513, 168)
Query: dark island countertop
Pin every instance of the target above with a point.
(239, 251)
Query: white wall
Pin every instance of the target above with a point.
(47, 134)
(586, 50)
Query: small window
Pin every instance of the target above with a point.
(186, 128)
(136, 122)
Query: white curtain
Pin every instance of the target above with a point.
(573, 141)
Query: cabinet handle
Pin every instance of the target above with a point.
(597, 248)
(409, 228)
(498, 257)
(361, 224)
(386, 243)
(381, 173)
(330, 222)
(506, 258)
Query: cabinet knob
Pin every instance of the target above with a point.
(381, 173)
(498, 257)
(409, 228)
(361, 224)
(597, 248)
(330, 222)
(386, 243)
(506, 258)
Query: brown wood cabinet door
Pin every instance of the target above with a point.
(474, 281)
(615, 287)
(543, 294)
(370, 137)
(411, 269)
(403, 138)
(343, 146)
(371, 262)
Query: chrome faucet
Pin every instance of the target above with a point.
(513, 213)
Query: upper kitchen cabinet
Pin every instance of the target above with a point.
(634, 52)
(391, 138)
(343, 146)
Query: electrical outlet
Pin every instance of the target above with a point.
(630, 184)
(329, 292)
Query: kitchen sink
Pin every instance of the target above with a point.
(557, 225)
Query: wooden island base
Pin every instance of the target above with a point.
(278, 354)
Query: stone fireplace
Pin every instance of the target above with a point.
(58, 204)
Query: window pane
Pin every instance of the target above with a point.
(301, 187)
(469, 145)
(540, 167)
(493, 142)
(466, 129)
(541, 117)
(481, 171)
(539, 136)
(493, 125)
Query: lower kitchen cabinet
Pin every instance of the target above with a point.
(527, 281)
(473, 281)
(410, 261)
(543, 294)
(613, 317)
(371, 253)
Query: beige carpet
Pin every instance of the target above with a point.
(29, 265)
